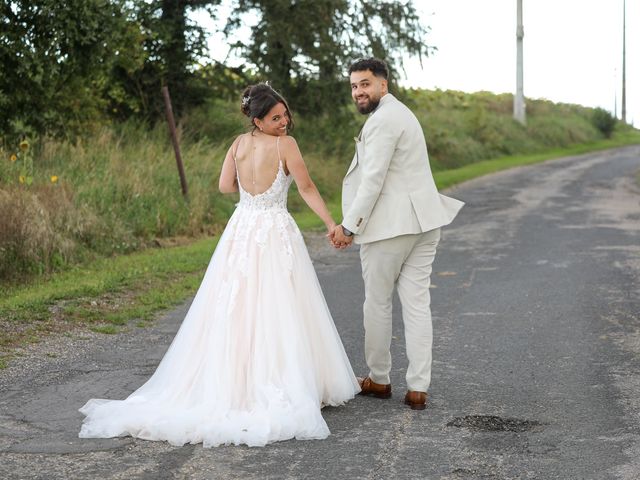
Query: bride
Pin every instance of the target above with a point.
(257, 355)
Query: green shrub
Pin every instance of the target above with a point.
(604, 121)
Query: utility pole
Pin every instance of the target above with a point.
(518, 101)
(615, 93)
(624, 62)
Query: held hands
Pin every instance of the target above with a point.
(338, 239)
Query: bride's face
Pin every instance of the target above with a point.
(275, 122)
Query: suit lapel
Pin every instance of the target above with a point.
(354, 162)
(359, 139)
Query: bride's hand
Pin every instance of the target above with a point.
(331, 232)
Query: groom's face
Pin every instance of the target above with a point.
(367, 90)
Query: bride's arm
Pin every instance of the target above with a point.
(228, 182)
(308, 190)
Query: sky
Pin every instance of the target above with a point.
(572, 50)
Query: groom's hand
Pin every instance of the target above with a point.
(339, 239)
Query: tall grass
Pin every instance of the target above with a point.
(463, 128)
(117, 190)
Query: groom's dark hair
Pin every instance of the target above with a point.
(378, 67)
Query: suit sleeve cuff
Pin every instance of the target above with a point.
(352, 226)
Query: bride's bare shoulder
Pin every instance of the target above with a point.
(288, 142)
(241, 137)
(239, 140)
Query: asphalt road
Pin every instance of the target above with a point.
(536, 305)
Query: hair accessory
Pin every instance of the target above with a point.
(246, 100)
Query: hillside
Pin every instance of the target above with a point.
(116, 190)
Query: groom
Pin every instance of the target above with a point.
(393, 210)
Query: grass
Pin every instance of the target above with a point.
(104, 295)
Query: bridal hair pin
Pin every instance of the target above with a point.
(246, 100)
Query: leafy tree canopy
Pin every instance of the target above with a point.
(57, 57)
(68, 67)
(304, 47)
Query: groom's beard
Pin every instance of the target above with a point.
(368, 107)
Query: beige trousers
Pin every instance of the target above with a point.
(405, 262)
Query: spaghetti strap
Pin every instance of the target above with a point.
(234, 151)
(278, 148)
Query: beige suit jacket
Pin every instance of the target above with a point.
(389, 188)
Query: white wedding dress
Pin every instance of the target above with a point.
(257, 355)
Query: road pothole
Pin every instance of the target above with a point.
(492, 423)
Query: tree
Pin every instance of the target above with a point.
(304, 46)
(68, 66)
(56, 59)
(604, 121)
(173, 43)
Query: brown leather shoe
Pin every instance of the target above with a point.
(369, 387)
(416, 400)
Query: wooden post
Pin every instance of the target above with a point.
(174, 139)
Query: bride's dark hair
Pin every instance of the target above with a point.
(258, 99)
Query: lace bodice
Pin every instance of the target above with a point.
(274, 197)
(258, 215)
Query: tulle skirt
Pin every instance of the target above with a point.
(256, 357)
